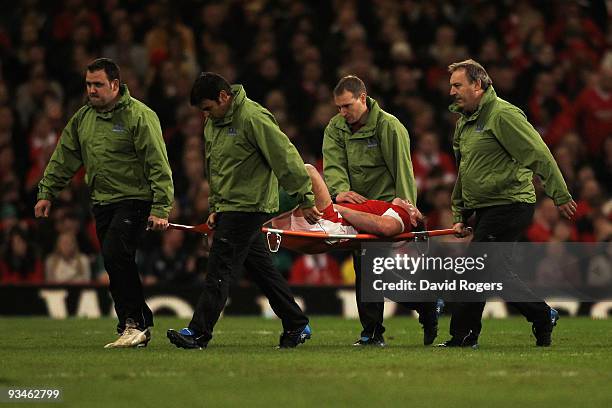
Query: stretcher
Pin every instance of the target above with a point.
(278, 236)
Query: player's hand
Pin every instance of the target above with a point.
(212, 220)
(415, 215)
(350, 197)
(461, 231)
(157, 224)
(311, 214)
(568, 209)
(42, 208)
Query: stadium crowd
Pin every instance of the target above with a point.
(552, 59)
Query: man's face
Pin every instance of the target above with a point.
(100, 91)
(467, 95)
(216, 109)
(351, 108)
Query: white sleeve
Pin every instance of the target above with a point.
(393, 214)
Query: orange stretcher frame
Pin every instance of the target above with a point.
(318, 242)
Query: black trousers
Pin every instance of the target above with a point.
(371, 313)
(504, 223)
(119, 227)
(238, 243)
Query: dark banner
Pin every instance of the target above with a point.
(477, 271)
(60, 302)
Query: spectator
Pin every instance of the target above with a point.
(558, 268)
(170, 263)
(545, 220)
(591, 113)
(127, 53)
(20, 263)
(67, 264)
(600, 268)
(432, 167)
(315, 270)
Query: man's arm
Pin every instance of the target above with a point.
(457, 204)
(151, 151)
(371, 223)
(460, 213)
(64, 162)
(395, 148)
(335, 162)
(526, 146)
(283, 158)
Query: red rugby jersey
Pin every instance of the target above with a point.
(375, 207)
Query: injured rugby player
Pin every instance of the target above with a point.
(370, 217)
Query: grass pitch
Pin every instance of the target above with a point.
(242, 367)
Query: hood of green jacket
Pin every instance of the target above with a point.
(487, 99)
(239, 97)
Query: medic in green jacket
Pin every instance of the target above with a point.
(247, 155)
(497, 152)
(123, 153)
(373, 161)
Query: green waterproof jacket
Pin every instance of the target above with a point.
(123, 153)
(497, 151)
(247, 155)
(374, 161)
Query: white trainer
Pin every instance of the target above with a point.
(131, 337)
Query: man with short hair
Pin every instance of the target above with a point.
(366, 155)
(497, 153)
(119, 141)
(247, 156)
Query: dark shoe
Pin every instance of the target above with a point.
(291, 338)
(543, 333)
(185, 338)
(467, 341)
(377, 341)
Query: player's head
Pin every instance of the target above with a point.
(468, 82)
(212, 94)
(411, 210)
(402, 203)
(103, 81)
(350, 98)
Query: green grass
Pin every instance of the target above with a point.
(242, 367)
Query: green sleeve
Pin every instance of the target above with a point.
(151, 151)
(335, 162)
(457, 205)
(395, 148)
(526, 146)
(283, 158)
(212, 195)
(64, 162)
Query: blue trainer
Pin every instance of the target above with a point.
(185, 338)
(543, 333)
(291, 338)
(554, 316)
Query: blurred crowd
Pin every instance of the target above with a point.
(553, 59)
